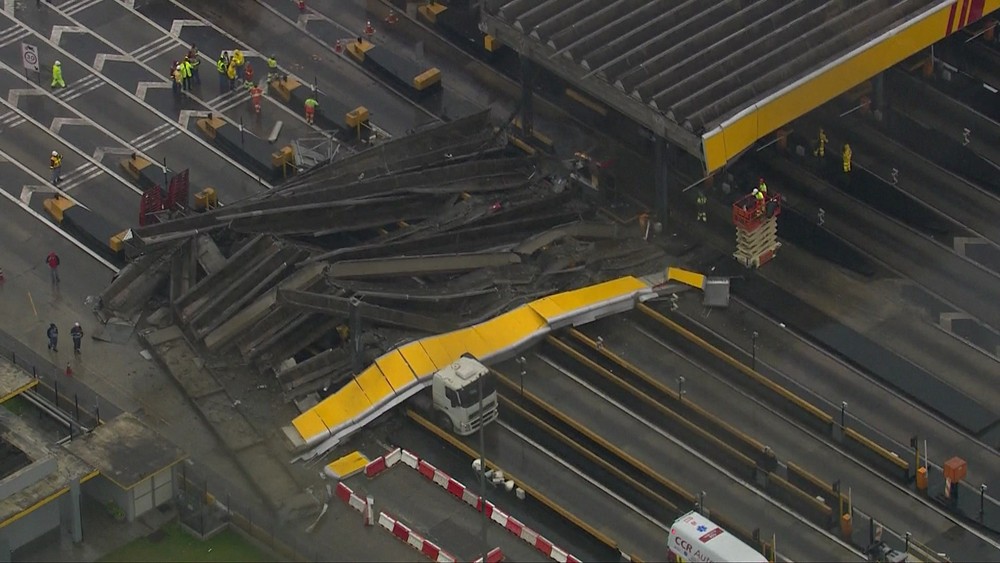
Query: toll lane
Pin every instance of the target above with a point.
(559, 387)
(299, 55)
(75, 67)
(542, 470)
(659, 354)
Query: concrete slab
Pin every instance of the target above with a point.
(125, 450)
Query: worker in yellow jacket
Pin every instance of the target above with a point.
(57, 78)
(847, 158)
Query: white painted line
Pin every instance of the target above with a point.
(61, 232)
(15, 37)
(155, 130)
(74, 86)
(76, 183)
(7, 31)
(162, 137)
(76, 172)
(15, 94)
(186, 114)
(125, 144)
(102, 58)
(59, 122)
(28, 191)
(161, 50)
(58, 30)
(83, 6)
(100, 152)
(197, 138)
(247, 51)
(39, 179)
(74, 148)
(962, 242)
(150, 46)
(177, 25)
(83, 91)
(143, 87)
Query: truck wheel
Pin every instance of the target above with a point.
(444, 421)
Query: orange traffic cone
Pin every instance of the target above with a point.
(369, 30)
(69, 370)
(302, 5)
(337, 47)
(391, 18)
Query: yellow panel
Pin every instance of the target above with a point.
(437, 351)
(713, 148)
(418, 360)
(397, 371)
(427, 78)
(587, 296)
(774, 113)
(546, 308)
(375, 384)
(472, 343)
(455, 342)
(503, 331)
(348, 465)
(742, 133)
(694, 279)
(309, 425)
(345, 404)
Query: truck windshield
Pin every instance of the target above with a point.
(469, 395)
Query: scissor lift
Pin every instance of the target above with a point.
(756, 229)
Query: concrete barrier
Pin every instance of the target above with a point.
(801, 502)
(886, 461)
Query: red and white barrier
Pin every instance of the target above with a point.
(492, 556)
(383, 462)
(344, 493)
(459, 491)
(414, 540)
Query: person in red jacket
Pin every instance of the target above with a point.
(53, 261)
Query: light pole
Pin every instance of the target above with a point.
(521, 361)
(754, 354)
(680, 388)
(482, 470)
(982, 501)
(843, 414)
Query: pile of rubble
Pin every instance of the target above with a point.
(422, 234)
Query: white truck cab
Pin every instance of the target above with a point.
(455, 392)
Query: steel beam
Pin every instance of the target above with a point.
(696, 74)
(660, 176)
(421, 265)
(340, 307)
(579, 32)
(631, 45)
(655, 121)
(809, 51)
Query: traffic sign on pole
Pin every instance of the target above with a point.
(29, 54)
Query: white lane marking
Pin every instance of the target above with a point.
(58, 30)
(197, 138)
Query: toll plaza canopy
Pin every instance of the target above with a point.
(713, 77)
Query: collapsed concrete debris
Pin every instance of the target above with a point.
(422, 234)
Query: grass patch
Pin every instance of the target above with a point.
(174, 544)
(16, 404)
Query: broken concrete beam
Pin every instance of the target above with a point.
(222, 285)
(235, 263)
(208, 254)
(228, 331)
(340, 307)
(421, 265)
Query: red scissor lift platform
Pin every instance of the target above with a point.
(756, 229)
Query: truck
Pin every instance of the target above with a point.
(454, 398)
(696, 539)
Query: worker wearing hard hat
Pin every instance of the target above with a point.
(762, 186)
(700, 202)
(847, 158)
(57, 77)
(821, 142)
(55, 165)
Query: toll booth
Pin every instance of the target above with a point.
(93, 230)
(331, 114)
(756, 229)
(249, 150)
(460, 23)
(145, 172)
(415, 78)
